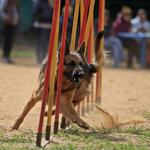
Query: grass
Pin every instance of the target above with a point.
(131, 138)
(30, 53)
(23, 55)
(146, 115)
(134, 138)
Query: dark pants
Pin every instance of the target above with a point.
(42, 43)
(133, 51)
(9, 34)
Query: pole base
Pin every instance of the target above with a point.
(98, 100)
(48, 133)
(56, 123)
(83, 111)
(63, 123)
(88, 109)
(38, 139)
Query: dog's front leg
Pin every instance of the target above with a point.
(67, 108)
(36, 96)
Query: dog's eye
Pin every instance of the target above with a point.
(72, 64)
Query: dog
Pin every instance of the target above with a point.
(77, 76)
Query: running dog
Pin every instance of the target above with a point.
(77, 76)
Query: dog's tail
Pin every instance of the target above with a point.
(99, 50)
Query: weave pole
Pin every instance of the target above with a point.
(89, 22)
(60, 66)
(91, 61)
(52, 81)
(74, 27)
(47, 73)
(100, 28)
(83, 20)
(87, 35)
(72, 45)
(83, 24)
(89, 57)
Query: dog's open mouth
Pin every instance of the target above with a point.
(74, 77)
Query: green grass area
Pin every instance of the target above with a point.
(135, 138)
(23, 56)
(146, 115)
(22, 53)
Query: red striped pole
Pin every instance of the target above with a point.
(61, 63)
(82, 34)
(89, 57)
(47, 73)
(101, 15)
(100, 28)
(84, 20)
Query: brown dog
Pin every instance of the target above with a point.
(77, 76)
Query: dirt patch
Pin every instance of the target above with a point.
(125, 94)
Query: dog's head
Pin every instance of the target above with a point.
(74, 64)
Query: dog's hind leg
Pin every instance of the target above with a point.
(36, 96)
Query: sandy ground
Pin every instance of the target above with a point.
(125, 93)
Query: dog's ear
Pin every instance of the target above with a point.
(81, 50)
(67, 50)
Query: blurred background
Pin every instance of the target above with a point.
(25, 26)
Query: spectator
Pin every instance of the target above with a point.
(42, 13)
(142, 24)
(123, 24)
(112, 42)
(10, 16)
(123, 21)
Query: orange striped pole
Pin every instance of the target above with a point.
(92, 60)
(83, 21)
(72, 45)
(52, 81)
(47, 73)
(86, 39)
(100, 28)
(74, 27)
(60, 66)
(89, 57)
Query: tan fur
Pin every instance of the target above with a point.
(72, 93)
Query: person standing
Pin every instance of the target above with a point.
(10, 16)
(42, 14)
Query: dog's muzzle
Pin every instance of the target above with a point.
(75, 76)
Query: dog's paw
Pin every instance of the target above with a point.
(85, 126)
(82, 124)
(13, 127)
